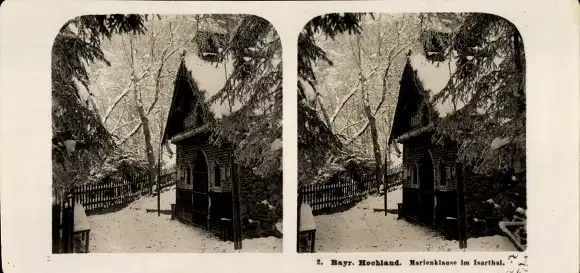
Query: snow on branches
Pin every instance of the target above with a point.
(254, 87)
(489, 81)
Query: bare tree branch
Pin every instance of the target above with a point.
(351, 125)
(386, 74)
(324, 113)
(126, 91)
(131, 134)
(164, 57)
(343, 103)
(359, 133)
(124, 125)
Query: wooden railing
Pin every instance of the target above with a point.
(100, 196)
(104, 195)
(346, 191)
(95, 197)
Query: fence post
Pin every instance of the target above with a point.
(299, 204)
(56, 223)
(67, 223)
(385, 189)
(236, 205)
(461, 206)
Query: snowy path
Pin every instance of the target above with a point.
(361, 229)
(134, 230)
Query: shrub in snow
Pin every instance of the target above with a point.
(491, 199)
(118, 166)
(349, 165)
(261, 206)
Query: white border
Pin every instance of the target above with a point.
(550, 34)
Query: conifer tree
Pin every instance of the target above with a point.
(79, 138)
(255, 48)
(490, 81)
(315, 140)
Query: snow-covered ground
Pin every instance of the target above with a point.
(361, 229)
(134, 230)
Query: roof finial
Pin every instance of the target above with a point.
(183, 54)
(409, 53)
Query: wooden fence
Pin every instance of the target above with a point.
(101, 196)
(346, 191)
(105, 195)
(95, 197)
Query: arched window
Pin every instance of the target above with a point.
(442, 174)
(199, 119)
(217, 175)
(416, 174)
(189, 177)
(181, 174)
(425, 116)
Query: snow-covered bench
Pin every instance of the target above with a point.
(82, 225)
(307, 225)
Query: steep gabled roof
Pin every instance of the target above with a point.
(422, 79)
(408, 101)
(184, 94)
(196, 83)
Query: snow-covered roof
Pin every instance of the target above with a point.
(211, 78)
(434, 77)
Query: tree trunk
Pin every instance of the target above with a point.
(144, 124)
(386, 168)
(148, 145)
(376, 146)
(371, 117)
(519, 69)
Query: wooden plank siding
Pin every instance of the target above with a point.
(444, 157)
(445, 154)
(186, 152)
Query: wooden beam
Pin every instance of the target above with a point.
(461, 221)
(385, 187)
(415, 132)
(189, 133)
(299, 202)
(236, 204)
